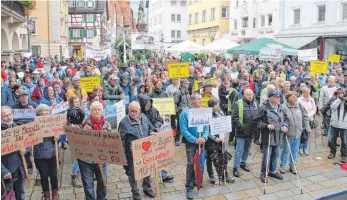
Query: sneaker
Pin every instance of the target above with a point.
(168, 178)
(229, 179)
(178, 143)
(211, 179)
(136, 196)
(236, 172)
(75, 181)
(276, 176)
(293, 170)
(283, 170)
(301, 152)
(262, 178)
(245, 167)
(331, 156)
(305, 152)
(343, 159)
(190, 195)
(149, 192)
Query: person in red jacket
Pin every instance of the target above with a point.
(3, 72)
(37, 92)
(40, 64)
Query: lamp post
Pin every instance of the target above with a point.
(29, 29)
(212, 34)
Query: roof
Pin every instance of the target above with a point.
(296, 42)
(314, 31)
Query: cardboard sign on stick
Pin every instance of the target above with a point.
(52, 125)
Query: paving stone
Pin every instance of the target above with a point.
(213, 191)
(267, 197)
(236, 195)
(324, 192)
(317, 178)
(302, 197)
(125, 195)
(167, 189)
(303, 181)
(255, 192)
(242, 186)
(286, 177)
(218, 197)
(67, 196)
(176, 196)
(284, 186)
(336, 174)
(314, 187)
(284, 194)
(309, 172)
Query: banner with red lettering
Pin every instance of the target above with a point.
(52, 125)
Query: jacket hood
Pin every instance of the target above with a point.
(45, 93)
(28, 85)
(143, 101)
(139, 87)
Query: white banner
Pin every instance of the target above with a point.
(28, 113)
(144, 41)
(220, 125)
(61, 107)
(270, 54)
(307, 55)
(120, 110)
(97, 53)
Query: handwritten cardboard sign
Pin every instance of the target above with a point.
(220, 125)
(149, 153)
(52, 125)
(89, 83)
(97, 146)
(319, 67)
(28, 113)
(60, 107)
(178, 70)
(165, 106)
(19, 137)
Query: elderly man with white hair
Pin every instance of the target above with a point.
(325, 95)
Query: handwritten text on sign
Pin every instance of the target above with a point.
(52, 125)
(165, 106)
(178, 70)
(220, 125)
(89, 83)
(19, 137)
(29, 113)
(152, 152)
(60, 108)
(319, 67)
(334, 58)
(97, 146)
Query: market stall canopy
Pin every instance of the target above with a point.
(186, 46)
(255, 46)
(220, 46)
(186, 56)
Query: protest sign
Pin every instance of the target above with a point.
(334, 58)
(220, 125)
(215, 92)
(19, 137)
(60, 108)
(270, 54)
(178, 70)
(167, 62)
(52, 125)
(165, 106)
(98, 53)
(97, 146)
(196, 83)
(109, 102)
(199, 117)
(120, 110)
(28, 113)
(89, 83)
(110, 112)
(166, 126)
(319, 67)
(151, 153)
(307, 55)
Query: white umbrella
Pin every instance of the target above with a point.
(186, 46)
(220, 46)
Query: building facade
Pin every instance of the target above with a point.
(87, 25)
(168, 21)
(254, 19)
(14, 34)
(49, 33)
(207, 20)
(315, 24)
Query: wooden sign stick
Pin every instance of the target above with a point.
(56, 154)
(103, 176)
(25, 169)
(157, 183)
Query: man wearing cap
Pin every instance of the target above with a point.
(125, 85)
(182, 98)
(244, 85)
(207, 90)
(158, 91)
(272, 122)
(112, 91)
(76, 90)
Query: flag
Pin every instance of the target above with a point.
(199, 164)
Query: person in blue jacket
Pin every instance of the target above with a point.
(49, 97)
(194, 139)
(12, 170)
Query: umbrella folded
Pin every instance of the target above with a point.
(220, 159)
(199, 165)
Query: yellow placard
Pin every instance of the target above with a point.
(196, 83)
(178, 70)
(79, 53)
(319, 67)
(165, 106)
(89, 83)
(334, 58)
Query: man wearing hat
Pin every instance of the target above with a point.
(76, 90)
(244, 85)
(24, 101)
(112, 91)
(207, 90)
(273, 123)
(125, 85)
(158, 91)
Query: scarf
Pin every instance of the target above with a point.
(96, 124)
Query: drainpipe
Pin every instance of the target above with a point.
(48, 28)
(322, 44)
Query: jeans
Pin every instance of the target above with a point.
(243, 147)
(334, 134)
(164, 174)
(47, 169)
(178, 131)
(88, 171)
(74, 167)
(146, 184)
(209, 163)
(190, 176)
(305, 144)
(16, 183)
(294, 144)
(274, 152)
(329, 134)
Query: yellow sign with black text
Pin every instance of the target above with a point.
(319, 67)
(165, 106)
(334, 58)
(89, 83)
(178, 70)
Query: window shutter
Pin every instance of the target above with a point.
(93, 4)
(70, 33)
(81, 33)
(84, 17)
(85, 32)
(86, 4)
(95, 32)
(94, 17)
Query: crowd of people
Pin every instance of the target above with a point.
(271, 104)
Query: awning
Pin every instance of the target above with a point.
(296, 42)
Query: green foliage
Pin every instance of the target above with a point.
(137, 53)
(28, 4)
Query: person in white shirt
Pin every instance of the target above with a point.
(171, 89)
(325, 95)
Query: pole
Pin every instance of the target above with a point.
(28, 30)
(102, 176)
(56, 154)
(291, 155)
(124, 47)
(267, 162)
(157, 183)
(25, 168)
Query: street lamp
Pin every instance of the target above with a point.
(30, 27)
(212, 34)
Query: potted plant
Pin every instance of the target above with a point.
(28, 6)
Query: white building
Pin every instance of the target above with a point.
(253, 19)
(168, 21)
(315, 24)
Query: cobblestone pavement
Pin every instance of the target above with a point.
(318, 176)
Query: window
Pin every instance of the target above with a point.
(183, 3)
(160, 19)
(196, 18)
(173, 2)
(203, 16)
(236, 4)
(321, 13)
(224, 12)
(81, 3)
(213, 11)
(190, 19)
(178, 34)
(172, 34)
(178, 18)
(190, 2)
(155, 20)
(262, 20)
(269, 19)
(90, 33)
(173, 17)
(235, 24)
(245, 22)
(203, 42)
(254, 22)
(90, 4)
(76, 33)
(33, 27)
(90, 17)
(296, 16)
(344, 11)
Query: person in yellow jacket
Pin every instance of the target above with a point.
(76, 90)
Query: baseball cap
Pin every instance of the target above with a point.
(273, 94)
(23, 92)
(184, 81)
(76, 78)
(208, 84)
(245, 83)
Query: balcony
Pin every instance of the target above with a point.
(14, 10)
